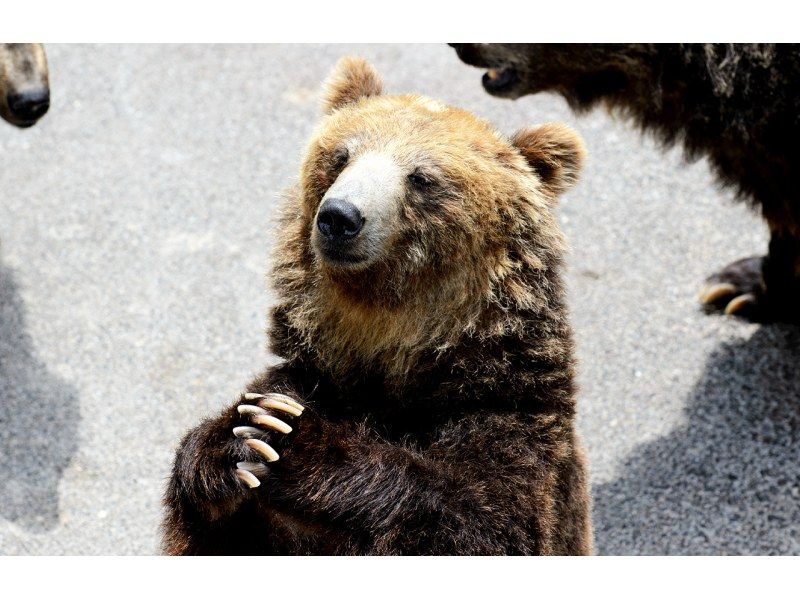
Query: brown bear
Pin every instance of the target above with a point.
(734, 103)
(425, 403)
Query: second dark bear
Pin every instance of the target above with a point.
(735, 103)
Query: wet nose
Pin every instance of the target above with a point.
(339, 220)
(29, 105)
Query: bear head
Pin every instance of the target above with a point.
(583, 73)
(415, 223)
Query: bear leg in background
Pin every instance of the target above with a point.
(760, 288)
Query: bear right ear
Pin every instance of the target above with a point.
(352, 78)
(555, 152)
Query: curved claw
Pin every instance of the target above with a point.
(273, 423)
(256, 469)
(251, 396)
(250, 410)
(263, 449)
(270, 403)
(247, 478)
(285, 399)
(740, 303)
(245, 431)
(716, 291)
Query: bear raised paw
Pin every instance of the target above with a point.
(425, 401)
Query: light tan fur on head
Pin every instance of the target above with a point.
(471, 252)
(351, 79)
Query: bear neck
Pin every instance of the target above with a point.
(348, 334)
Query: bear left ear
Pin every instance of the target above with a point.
(352, 78)
(555, 152)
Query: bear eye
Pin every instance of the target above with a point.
(420, 180)
(340, 158)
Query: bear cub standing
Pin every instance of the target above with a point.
(425, 404)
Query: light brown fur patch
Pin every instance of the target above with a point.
(555, 152)
(352, 78)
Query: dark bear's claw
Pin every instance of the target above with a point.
(740, 303)
(738, 289)
(716, 291)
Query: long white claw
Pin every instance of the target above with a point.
(740, 302)
(245, 431)
(250, 409)
(248, 478)
(275, 396)
(716, 291)
(284, 399)
(270, 403)
(256, 469)
(263, 449)
(273, 423)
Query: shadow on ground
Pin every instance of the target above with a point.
(39, 417)
(728, 479)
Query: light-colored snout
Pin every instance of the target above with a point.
(24, 83)
(360, 211)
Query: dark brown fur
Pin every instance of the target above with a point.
(735, 103)
(445, 423)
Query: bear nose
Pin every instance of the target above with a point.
(339, 220)
(29, 105)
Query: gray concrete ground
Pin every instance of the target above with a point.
(135, 226)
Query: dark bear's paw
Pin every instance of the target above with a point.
(738, 289)
(265, 414)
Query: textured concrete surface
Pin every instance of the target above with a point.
(135, 225)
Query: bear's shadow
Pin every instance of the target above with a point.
(727, 480)
(39, 417)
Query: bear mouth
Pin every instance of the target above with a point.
(17, 122)
(340, 256)
(500, 80)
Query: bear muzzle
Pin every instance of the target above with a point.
(339, 221)
(359, 214)
(339, 224)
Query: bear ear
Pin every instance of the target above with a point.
(352, 78)
(555, 152)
